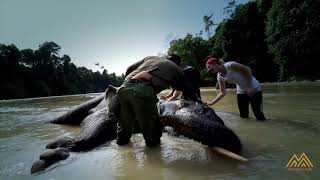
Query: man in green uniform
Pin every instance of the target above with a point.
(137, 97)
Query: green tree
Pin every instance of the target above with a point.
(42, 72)
(28, 58)
(241, 38)
(293, 37)
(192, 50)
(209, 23)
(228, 10)
(10, 81)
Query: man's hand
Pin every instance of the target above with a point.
(162, 97)
(250, 92)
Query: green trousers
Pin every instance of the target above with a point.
(138, 106)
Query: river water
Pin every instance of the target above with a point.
(293, 127)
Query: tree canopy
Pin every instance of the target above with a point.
(278, 39)
(43, 72)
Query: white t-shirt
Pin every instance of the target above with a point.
(238, 78)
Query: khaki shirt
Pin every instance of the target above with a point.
(165, 75)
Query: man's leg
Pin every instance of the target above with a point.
(243, 105)
(123, 135)
(126, 117)
(146, 113)
(257, 106)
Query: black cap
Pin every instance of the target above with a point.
(174, 58)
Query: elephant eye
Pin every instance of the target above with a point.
(203, 110)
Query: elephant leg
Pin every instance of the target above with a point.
(96, 129)
(76, 115)
(64, 142)
(101, 105)
(48, 158)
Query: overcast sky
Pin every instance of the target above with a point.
(115, 33)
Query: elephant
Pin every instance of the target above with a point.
(98, 121)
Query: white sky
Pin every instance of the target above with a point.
(115, 33)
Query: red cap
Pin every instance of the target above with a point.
(212, 61)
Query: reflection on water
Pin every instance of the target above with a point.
(293, 127)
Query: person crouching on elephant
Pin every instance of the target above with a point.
(192, 76)
(248, 88)
(137, 97)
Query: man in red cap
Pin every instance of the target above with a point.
(248, 88)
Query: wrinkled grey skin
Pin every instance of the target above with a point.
(98, 125)
(98, 119)
(48, 158)
(199, 122)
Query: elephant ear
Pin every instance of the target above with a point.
(111, 90)
(112, 101)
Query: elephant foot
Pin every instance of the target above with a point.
(170, 130)
(54, 155)
(48, 158)
(38, 166)
(63, 142)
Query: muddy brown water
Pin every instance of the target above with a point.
(293, 127)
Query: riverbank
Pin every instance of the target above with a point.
(291, 83)
(284, 83)
(203, 89)
(49, 97)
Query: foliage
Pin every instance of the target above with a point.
(293, 38)
(209, 23)
(241, 38)
(192, 50)
(278, 39)
(42, 72)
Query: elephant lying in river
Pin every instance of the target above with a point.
(98, 119)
